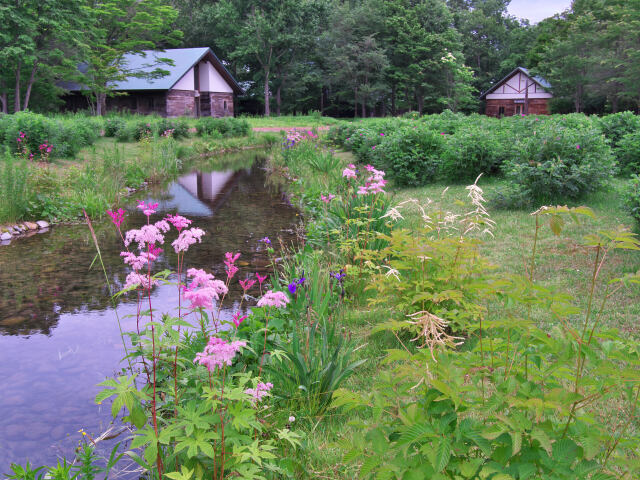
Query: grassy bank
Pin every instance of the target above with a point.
(290, 121)
(100, 176)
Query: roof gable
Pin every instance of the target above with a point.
(183, 60)
(539, 80)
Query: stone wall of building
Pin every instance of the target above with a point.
(537, 106)
(221, 104)
(181, 103)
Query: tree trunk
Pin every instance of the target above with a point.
(393, 100)
(101, 104)
(32, 78)
(16, 100)
(278, 99)
(267, 110)
(364, 107)
(355, 107)
(614, 104)
(4, 107)
(321, 100)
(420, 101)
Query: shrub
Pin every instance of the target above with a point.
(557, 164)
(632, 198)
(618, 125)
(13, 188)
(226, 126)
(628, 153)
(178, 126)
(112, 125)
(472, 151)
(410, 156)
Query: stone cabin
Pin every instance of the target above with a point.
(198, 85)
(518, 93)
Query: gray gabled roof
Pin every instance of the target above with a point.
(539, 80)
(182, 59)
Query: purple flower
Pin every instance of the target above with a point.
(265, 240)
(292, 288)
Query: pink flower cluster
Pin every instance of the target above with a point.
(45, 147)
(147, 209)
(116, 217)
(247, 284)
(261, 390)
(147, 235)
(374, 183)
(274, 299)
(178, 221)
(230, 262)
(168, 133)
(21, 136)
(134, 279)
(187, 238)
(203, 289)
(238, 318)
(328, 198)
(218, 353)
(349, 173)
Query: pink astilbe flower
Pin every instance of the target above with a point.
(146, 235)
(201, 297)
(136, 262)
(349, 173)
(203, 289)
(274, 299)
(261, 390)
(238, 318)
(328, 198)
(261, 278)
(363, 190)
(230, 260)
(187, 238)
(148, 209)
(178, 221)
(206, 280)
(116, 217)
(134, 279)
(247, 284)
(231, 271)
(218, 353)
(163, 226)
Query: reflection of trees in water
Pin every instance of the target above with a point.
(47, 275)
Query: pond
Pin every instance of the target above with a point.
(59, 334)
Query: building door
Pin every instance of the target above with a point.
(500, 112)
(518, 109)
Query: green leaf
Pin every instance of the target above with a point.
(443, 454)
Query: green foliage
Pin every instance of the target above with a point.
(632, 198)
(224, 127)
(314, 366)
(558, 164)
(628, 153)
(66, 135)
(616, 126)
(14, 195)
(517, 400)
(411, 156)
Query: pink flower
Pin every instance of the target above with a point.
(187, 238)
(247, 284)
(578, 147)
(362, 190)
(204, 279)
(273, 299)
(231, 258)
(163, 226)
(351, 166)
(148, 209)
(349, 173)
(218, 352)
(201, 297)
(178, 221)
(261, 390)
(328, 198)
(381, 134)
(136, 262)
(370, 168)
(134, 279)
(147, 235)
(231, 271)
(441, 133)
(19, 139)
(116, 217)
(261, 278)
(238, 318)
(49, 149)
(373, 147)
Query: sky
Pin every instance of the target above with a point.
(536, 10)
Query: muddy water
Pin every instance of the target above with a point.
(59, 335)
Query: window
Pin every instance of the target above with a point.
(225, 105)
(518, 109)
(501, 111)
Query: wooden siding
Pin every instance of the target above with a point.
(181, 103)
(537, 106)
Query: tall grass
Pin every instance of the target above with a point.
(13, 188)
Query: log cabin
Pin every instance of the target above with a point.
(519, 93)
(197, 85)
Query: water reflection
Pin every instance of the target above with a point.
(58, 332)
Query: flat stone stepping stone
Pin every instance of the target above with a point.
(42, 224)
(31, 225)
(5, 236)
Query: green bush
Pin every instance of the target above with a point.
(13, 188)
(112, 125)
(556, 164)
(632, 198)
(618, 125)
(628, 153)
(225, 127)
(410, 156)
(472, 151)
(179, 126)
